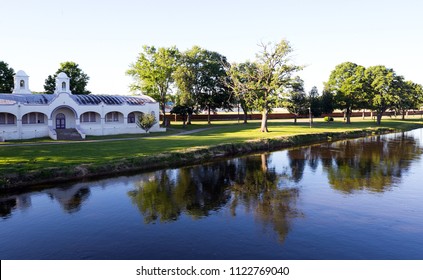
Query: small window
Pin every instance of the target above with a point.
(131, 118)
(32, 118)
(40, 118)
(93, 117)
(10, 119)
(22, 84)
(2, 118)
(85, 117)
(63, 86)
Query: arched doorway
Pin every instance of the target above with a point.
(64, 117)
(60, 121)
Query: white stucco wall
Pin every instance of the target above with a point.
(63, 103)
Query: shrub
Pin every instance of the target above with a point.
(146, 121)
(328, 119)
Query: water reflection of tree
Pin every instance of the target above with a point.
(297, 163)
(258, 188)
(374, 163)
(6, 207)
(198, 190)
(195, 190)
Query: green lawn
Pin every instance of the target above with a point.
(24, 158)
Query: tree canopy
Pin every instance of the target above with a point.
(239, 74)
(315, 102)
(296, 101)
(384, 88)
(78, 79)
(153, 73)
(6, 78)
(347, 84)
(267, 77)
(200, 78)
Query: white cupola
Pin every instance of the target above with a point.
(62, 83)
(21, 83)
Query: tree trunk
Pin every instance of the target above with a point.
(348, 115)
(263, 127)
(379, 118)
(264, 163)
(245, 117)
(295, 119)
(403, 115)
(183, 120)
(245, 111)
(208, 115)
(189, 118)
(164, 123)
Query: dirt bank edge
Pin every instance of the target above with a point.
(15, 182)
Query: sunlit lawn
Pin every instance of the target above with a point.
(16, 159)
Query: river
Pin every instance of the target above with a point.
(354, 199)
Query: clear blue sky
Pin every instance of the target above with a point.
(105, 37)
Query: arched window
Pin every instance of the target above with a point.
(88, 117)
(63, 86)
(6, 118)
(33, 118)
(113, 117)
(22, 84)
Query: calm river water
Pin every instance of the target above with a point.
(359, 199)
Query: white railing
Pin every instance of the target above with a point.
(80, 131)
(52, 133)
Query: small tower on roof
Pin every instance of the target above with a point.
(21, 83)
(62, 84)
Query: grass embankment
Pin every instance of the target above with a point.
(39, 161)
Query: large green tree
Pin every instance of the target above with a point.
(411, 97)
(296, 100)
(383, 89)
(238, 74)
(314, 101)
(182, 111)
(6, 78)
(78, 79)
(153, 73)
(326, 102)
(268, 76)
(347, 84)
(201, 80)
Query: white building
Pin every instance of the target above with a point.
(62, 115)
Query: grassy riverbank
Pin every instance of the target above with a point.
(41, 160)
